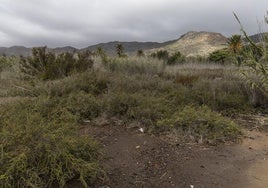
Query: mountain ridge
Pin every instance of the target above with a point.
(191, 43)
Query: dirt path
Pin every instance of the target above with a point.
(135, 159)
(255, 149)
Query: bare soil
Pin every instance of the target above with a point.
(136, 159)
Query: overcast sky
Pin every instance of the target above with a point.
(81, 23)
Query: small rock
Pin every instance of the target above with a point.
(86, 121)
(163, 175)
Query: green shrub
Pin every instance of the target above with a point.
(102, 54)
(220, 89)
(225, 96)
(90, 82)
(120, 50)
(140, 107)
(161, 54)
(150, 109)
(198, 59)
(175, 58)
(49, 66)
(203, 124)
(121, 82)
(140, 53)
(83, 105)
(38, 151)
(136, 65)
(39, 64)
(118, 104)
(218, 56)
(235, 43)
(3, 63)
(231, 104)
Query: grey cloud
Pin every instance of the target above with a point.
(84, 22)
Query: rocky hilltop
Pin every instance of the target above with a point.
(196, 43)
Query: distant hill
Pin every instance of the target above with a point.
(129, 47)
(21, 50)
(63, 49)
(196, 43)
(258, 37)
(190, 44)
(15, 51)
(109, 47)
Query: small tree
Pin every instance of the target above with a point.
(218, 56)
(161, 54)
(235, 43)
(3, 62)
(38, 64)
(99, 51)
(140, 53)
(84, 61)
(47, 66)
(102, 54)
(176, 58)
(120, 50)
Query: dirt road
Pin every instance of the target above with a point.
(135, 159)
